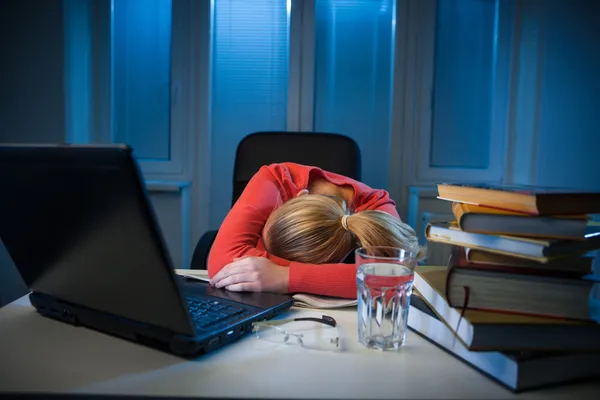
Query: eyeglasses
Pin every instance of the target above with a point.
(300, 331)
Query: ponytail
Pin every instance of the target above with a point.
(377, 228)
(318, 229)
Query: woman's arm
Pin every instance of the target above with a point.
(241, 229)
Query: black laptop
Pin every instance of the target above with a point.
(80, 228)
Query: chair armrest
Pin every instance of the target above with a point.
(200, 256)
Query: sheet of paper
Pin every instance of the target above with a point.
(199, 274)
(321, 302)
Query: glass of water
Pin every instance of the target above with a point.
(384, 280)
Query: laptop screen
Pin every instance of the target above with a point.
(78, 225)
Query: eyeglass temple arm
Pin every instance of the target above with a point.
(325, 319)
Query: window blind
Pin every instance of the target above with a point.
(249, 82)
(353, 77)
(141, 45)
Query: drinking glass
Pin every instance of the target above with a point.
(384, 280)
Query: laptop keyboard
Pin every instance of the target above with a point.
(208, 312)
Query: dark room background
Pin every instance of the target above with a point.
(447, 90)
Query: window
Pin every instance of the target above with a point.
(340, 79)
(464, 86)
(127, 78)
(149, 64)
(465, 50)
(250, 64)
(353, 76)
(141, 44)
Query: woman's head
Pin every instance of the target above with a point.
(319, 229)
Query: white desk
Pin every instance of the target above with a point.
(40, 355)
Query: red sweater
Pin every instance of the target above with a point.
(240, 233)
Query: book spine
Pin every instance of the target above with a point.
(458, 209)
(453, 261)
(459, 260)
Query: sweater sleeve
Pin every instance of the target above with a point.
(376, 199)
(241, 230)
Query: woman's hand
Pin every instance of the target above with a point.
(252, 274)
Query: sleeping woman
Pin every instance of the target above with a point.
(292, 228)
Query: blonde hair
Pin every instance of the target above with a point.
(319, 229)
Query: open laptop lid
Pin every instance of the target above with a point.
(79, 226)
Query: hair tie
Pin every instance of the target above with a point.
(345, 222)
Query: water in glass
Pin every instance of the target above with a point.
(384, 292)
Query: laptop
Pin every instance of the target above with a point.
(79, 226)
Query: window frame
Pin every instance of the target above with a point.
(179, 133)
(301, 86)
(97, 123)
(424, 31)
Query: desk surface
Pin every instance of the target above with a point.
(40, 355)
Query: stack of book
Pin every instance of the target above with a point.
(516, 299)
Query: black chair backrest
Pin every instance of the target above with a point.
(330, 151)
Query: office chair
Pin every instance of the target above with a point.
(329, 151)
